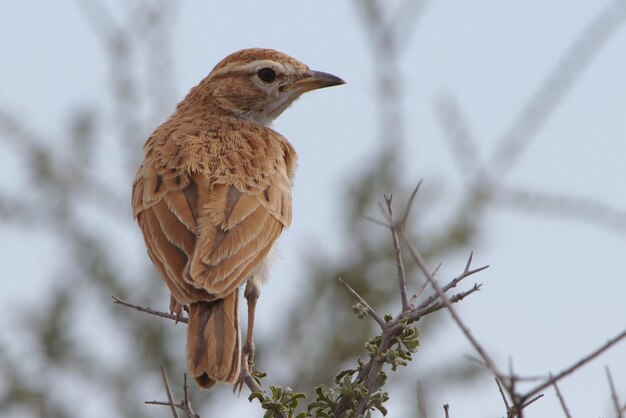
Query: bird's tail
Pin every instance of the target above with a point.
(213, 342)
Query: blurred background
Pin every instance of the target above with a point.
(513, 114)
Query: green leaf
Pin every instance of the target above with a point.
(257, 395)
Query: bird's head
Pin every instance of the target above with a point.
(259, 84)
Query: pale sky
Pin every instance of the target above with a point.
(555, 289)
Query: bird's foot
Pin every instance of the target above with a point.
(176, 309)
(247, 364)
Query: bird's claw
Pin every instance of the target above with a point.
(247, 364)
(176, 309)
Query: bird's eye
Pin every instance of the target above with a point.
(266, 74)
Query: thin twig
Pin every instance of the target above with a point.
(168, 391)
(186, 401)
(533, 400)
(561, 399)
(371, 312)
(455, 316)
(376, 221)
(619, 411)
(418, 313)
(409, 205)
(423, 286)
(446, 409)
(577, 365)
(453, 283)
(149, 310)
(575, 207)
(184, 405)
(506, 402)
(398, 254)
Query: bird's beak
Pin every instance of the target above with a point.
(314, 80)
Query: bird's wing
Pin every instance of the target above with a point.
(238, 227)
(169, 226)
(207, 233)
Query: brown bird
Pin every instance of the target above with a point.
(214, 193)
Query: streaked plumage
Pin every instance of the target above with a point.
(214, 193)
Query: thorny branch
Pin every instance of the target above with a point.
(184, 405)
(149, 310)
(417, 257)
(408, 314)
(506, 382)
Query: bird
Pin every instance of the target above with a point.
(213, 194)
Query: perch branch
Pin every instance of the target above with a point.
(149, 310)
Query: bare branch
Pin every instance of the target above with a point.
(459, 137)
(397, 253)
(446, 409)
(455, 316)
(561, 399)
(453, 283)
(619, 411)
(506, 402)
(418, 313)
(184, 405)
(577, 365)
(168, 391)
(423, 286)
(371, 312)
(554, 88)
(533, 400)
(376, 221)
(186, 401)
(149, 310)
(368, 373)
(584, 209)
(409, 205)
